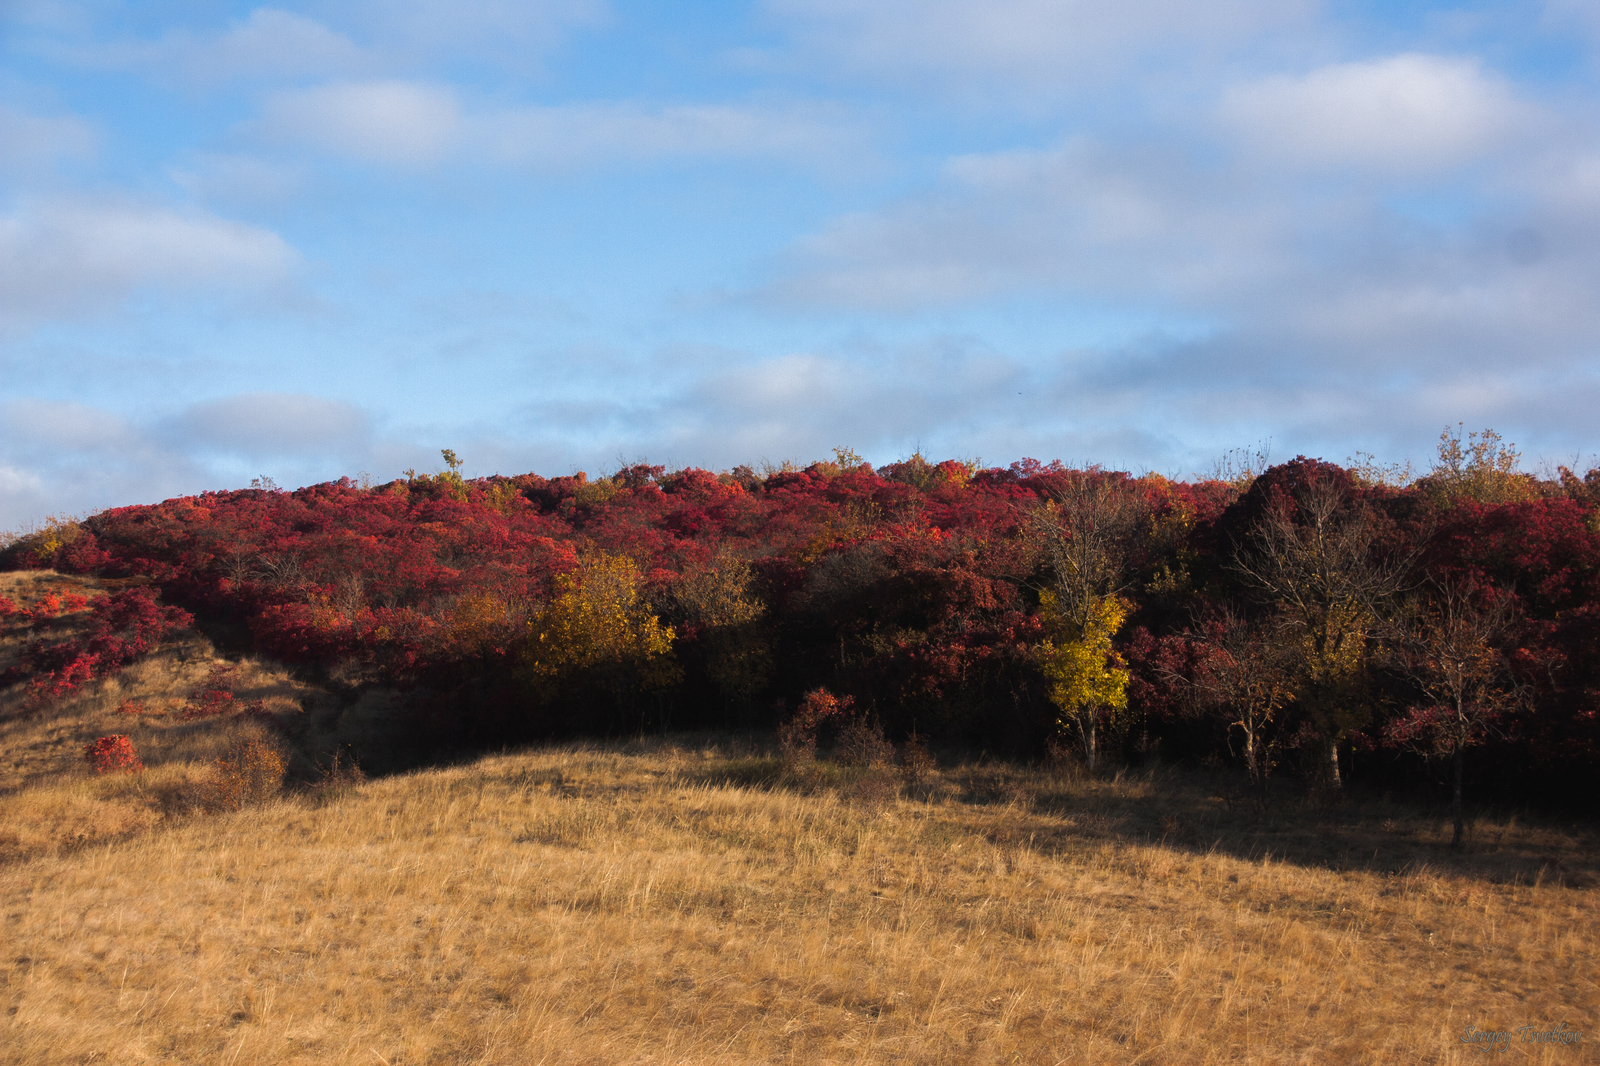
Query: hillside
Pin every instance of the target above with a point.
(999, 609)
(707, 898)
(676, 902)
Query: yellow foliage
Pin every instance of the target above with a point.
(250, 772)
(57, 533)
(478, 622)
(42, 544)
(598, 621)
(502, 497)
(718, 596)
(1367, 470)
(1334, 651)
(1484, 469)
(594, 493)
(846, 525)
(1085, 672)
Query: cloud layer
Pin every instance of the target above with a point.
(414, 124)
(345, 234)
(61, 257)
(1408, 114)
(1026, 45)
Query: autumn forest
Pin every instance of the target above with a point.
(1311, 624)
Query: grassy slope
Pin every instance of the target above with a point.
(666, 903)
(606, 906)
(48, 798)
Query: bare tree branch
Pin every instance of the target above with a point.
(1314, 556)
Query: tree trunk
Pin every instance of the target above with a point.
(1455, 799)
(1253, 763)
(1086, 728)
(1334, 781)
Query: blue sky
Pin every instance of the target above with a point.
(317, 239)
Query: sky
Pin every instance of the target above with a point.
(325, 239)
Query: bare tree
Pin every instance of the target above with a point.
(1447, 646)
(283, 569)
(1243, 673)
(1088, 531)
(237, 564)
(1314, 555)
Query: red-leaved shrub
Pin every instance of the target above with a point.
(113, 754)
(208, 704)
(122, 627)
(797, 738)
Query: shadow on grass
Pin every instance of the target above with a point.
(1055, 810)
(1206, 811)
(1212, 812)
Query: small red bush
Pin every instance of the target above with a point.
(797, 738)
(69, 677)
(208, 703)
(112, 754)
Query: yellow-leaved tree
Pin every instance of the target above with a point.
(1088, 678)
(598, 632)
(1088, 532)
(1482, 468)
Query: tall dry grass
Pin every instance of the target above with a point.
(677, 903)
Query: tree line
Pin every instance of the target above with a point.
(1308, 620)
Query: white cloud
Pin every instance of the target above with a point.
(1286, 278)
(270, 43)
(69, 458)
(1406, 113)
(15, 482)
(353, 37)
(383, 121)
(795, 406)
(587, 134)
(275, 43)
(71, 256)
(1028, 43)
(1566, 15)
(510, 33)
(1570, 185)
(57, 426)
(790, 382)
(233, 178)
(34, 144)
(410, 123)
(1125, 223)
(271, 424)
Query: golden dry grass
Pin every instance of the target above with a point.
(658, 903)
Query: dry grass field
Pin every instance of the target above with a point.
(680, 900)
